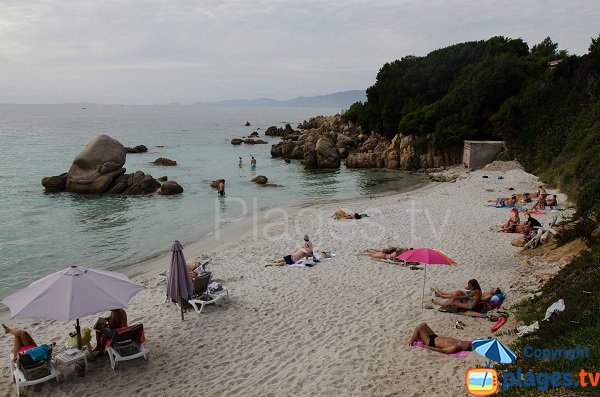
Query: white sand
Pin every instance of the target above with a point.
(337, 329)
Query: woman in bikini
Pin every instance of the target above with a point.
(22, 341)
(511, 225)
(471, 297)
(386, 253)
(486, 295)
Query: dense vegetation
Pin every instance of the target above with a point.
(498, 89)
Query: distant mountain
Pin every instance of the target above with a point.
(337, 99)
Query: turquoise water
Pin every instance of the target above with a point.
(41, 233)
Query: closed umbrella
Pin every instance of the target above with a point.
(71, 294)
(426, 256)
(179, 283)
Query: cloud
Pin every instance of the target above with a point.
(188, 51)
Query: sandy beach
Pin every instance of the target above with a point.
(336, 329)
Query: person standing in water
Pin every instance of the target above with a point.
(240, 163)
(221, 188)
(253, 162)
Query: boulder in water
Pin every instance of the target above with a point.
(132, 184)
(236, 141)
(260, 179)
(164, 161)
(137, 149)
(56, 183)
(170, 188)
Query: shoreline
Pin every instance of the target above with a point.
(338, 328)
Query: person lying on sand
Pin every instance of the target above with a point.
(300, 253)
(22, 341)
(386, 253)
(511, 225)
(471, 298)
(442, 344)
(341, 214)
(307, 245)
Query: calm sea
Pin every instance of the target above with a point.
(41, 233)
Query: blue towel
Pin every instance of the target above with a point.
(38, 353)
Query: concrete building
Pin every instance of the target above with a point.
(477, 154)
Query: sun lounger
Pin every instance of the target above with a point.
(28, 372)
(203, 296)
(127, 344)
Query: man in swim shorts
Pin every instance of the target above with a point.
(442, 344)
(221, 188)
(289, 259)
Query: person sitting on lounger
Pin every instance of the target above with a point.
(469, 301)
(22, 340)
(511, 225)
(442, 344)
(300, 253)
(105, 326)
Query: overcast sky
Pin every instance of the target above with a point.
(162, 51)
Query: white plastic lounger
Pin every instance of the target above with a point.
(202, 297)
(26, 372)
(127, 344)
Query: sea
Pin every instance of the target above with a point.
(41, 233)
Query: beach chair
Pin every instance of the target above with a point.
(28, 372)
(127, 344)
(202, 296)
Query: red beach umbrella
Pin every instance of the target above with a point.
(426, 256)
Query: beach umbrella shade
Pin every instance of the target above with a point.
(70, 294)
(179, 283)
(494, 350)
(426, 256)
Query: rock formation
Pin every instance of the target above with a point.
(251, 141)
(98, 169)
(170, 188)
(236, 141)
(164, 161)
(260, 179)
(247, 124)
(97, 166)
(137, 149)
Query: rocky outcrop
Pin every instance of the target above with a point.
(260, 179)
(247, 124)
(136, 183)
(251, 141)
(254, 134)
(137, 149)
(170, 188)
(98, 169)
(236, 141)
(97, 166)
(55, 183)
(163, 179)
(164, 161)
(320, 151)
(274, 131)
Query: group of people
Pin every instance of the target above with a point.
(104, 327)
(514, 225)
(252, 162)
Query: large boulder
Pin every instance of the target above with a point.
(320, 151)
(252, 141)
(260, 179)
(164, 161)
(97, 166)
(236, 141)
(254, 134)
(136, 183)
(170, 188)
(56, 183)
(364, 160)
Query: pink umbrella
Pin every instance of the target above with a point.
(426, 256)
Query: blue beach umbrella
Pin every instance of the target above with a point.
(494, 350)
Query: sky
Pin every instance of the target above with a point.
(185, 51)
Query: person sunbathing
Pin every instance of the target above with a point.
(341, 214)
(511, 225)
(492, 295)
(471, 298)
(105, 326)
(22, 340)
(386, 253)
(300, 253)
(437, 343)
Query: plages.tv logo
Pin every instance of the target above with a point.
(481, 381)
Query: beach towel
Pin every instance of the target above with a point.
(38, 353)
(420, 345)
(468, 313)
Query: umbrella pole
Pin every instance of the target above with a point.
(78, 331)
(181, 306)
(423, 292)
